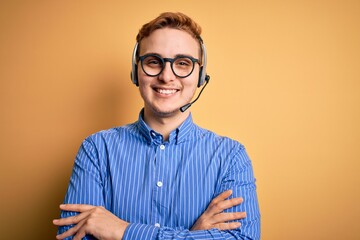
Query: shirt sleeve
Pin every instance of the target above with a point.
(85, 185)
(240, 178)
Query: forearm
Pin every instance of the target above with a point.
(145, 231)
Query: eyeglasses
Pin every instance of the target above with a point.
(181, 66)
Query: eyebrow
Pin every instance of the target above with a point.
(177, 55)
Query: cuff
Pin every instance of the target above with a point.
(140, 231)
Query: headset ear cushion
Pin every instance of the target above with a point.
(201, 80)
(134, 77)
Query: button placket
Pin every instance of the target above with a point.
(159, 184)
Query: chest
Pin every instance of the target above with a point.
(163, 184)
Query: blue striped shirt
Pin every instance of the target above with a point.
(162, 187)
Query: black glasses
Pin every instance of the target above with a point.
(181, 66)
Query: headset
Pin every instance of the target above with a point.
(203, 77)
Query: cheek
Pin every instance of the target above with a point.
(192, 83)
(143, 86)
(141, 76)
(144, 90)
(143, 79)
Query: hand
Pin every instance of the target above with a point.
(214, 217)
(93, 220)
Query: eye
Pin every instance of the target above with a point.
(152, 61)
(183, 62)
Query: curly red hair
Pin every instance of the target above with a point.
(171, 20)
(175, 20)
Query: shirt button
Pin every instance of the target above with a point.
(157, 224)
(159, 184)
(162, 147)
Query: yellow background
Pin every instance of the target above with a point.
(285, 81)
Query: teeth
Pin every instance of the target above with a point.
(166, 91)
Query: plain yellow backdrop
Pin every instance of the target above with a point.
(285, 82)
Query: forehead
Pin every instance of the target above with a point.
(169, 42)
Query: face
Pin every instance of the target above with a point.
(164, 94)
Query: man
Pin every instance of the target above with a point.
(162, 177)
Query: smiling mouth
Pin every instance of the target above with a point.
(166, 91)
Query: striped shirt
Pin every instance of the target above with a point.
(162, 187)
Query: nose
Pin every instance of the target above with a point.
(167, 74)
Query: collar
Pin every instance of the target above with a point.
(178, 135)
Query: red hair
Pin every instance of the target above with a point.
(171, 20)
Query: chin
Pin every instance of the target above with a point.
(166, 112)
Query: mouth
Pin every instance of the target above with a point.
(165, 91)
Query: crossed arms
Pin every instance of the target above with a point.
(104, 225)
(219, 218)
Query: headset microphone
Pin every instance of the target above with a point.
(186, 106)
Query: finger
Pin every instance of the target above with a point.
(76, 207)
(71, 220)
(228, 226)
(222, 196)
(68, 233)
(71, 231)
(226, 204)
(80, 234)
(226, 217)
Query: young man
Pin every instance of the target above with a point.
(162, 177)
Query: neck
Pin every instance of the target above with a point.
(164, 124)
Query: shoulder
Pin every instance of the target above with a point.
(105, 144)
(213, 138)
(220, 147)
(228, 152)
(112, 135)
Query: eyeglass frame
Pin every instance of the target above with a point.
(170, 60)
